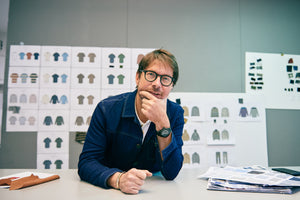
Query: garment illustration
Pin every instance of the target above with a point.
(121, 78)
(79, 121)
(88, 120)
(185, 135)
(45, 99)
(186, 111)
(243, 112)
(65, 56)
(80, 78)
(13, 98)
(23, 77)
(48, 121)
(139, 58)
(80, 99)
(22, 55)
(216, 135)
(23, 98)
(32, 98)
(110, 79)
(195, 136)
(80, 57)
(58, 164)
(36, 56)
(92, 57)
(47, 56)
(225, 157)
(195, 158)
(28, 55)
(14, 77)
(64, 99)
(54, 99)
(186, 158)
(59, 121)
(218, 157)
(225, 112)
(46, 78)
(33, 77)
(121, 58)
(90, 99)
(55, 78)
(47, 164)
(195, 111)
(22, 120)
(31, 120)
(56, 55)
(214, 112)
(225, 135)
(64, 78)
(91, 78)
(111, 58)
(58, 142)
(12, 120)
(47, 142)
(254, 112)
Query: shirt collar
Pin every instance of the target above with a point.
(128, 109)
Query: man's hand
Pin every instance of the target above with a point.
(155, 109)
(132, 181)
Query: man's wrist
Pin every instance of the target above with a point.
(118, 180)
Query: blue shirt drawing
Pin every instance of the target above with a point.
(22, 55)
(64, 78)
(56, 55)
(65, 56)
(64, 99)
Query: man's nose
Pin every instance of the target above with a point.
(157, 82)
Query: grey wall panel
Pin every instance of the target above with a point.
(283, 137)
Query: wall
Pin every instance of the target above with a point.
(208, 37)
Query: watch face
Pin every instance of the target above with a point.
(165, 132)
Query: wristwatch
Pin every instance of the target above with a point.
(164, 132)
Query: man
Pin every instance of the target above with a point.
(134, 134)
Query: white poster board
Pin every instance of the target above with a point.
(230, 127)
(276, 77)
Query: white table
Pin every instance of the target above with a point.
(185, 187)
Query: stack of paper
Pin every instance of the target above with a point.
(250, 179)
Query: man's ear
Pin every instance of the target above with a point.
(137, 78)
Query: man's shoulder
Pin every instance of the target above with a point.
(174, 106)
(116, 101)
(116, 98)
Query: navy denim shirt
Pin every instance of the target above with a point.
(114, 142)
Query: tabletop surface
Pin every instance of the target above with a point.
(187, 185)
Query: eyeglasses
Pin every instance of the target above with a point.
(151, 76)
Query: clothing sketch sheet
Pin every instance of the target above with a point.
(217, 131)
(49, 142)
(53, 161)
(25, 55)
(86, 57)
(276, 76)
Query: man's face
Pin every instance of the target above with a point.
(155, 87)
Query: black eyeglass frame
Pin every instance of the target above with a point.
(156, 75)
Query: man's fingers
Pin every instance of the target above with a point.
(148, 174)
(146, 94)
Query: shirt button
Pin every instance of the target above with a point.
(138, 146)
